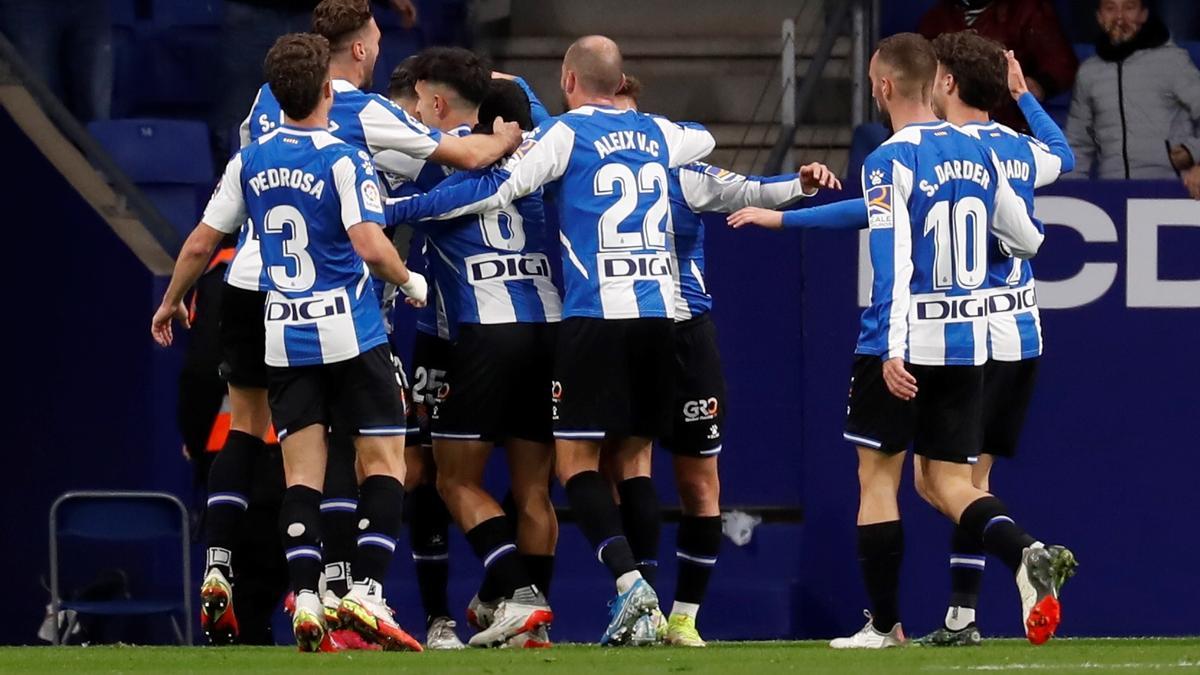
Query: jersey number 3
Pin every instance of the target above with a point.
(278, 221)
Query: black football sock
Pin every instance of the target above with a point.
(591, 500)
(339, 509)
(229, 481)
(492, 541)
(880, 551)
(967, 562)
(641, 519)
(697, 545)
(429, 534)
(541, 571)
(300, 528)
(987, 521)
(380, 515)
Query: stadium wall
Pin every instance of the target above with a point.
(1105, 463)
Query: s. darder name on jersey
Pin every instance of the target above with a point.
(956, 169)
(289, 178)
(625, 140)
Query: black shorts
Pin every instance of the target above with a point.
(613, 377)
(944, 421)
(243, 338)
(498, 383)
(431, 359)
(362, 396)
(1007, 389)
(699, 408)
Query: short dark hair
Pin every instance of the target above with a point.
(297, 68)
(632, 88)
(460, 69)
(339, 20)
(912, 58)
(978, 66)
(403, 84)
(505, 99)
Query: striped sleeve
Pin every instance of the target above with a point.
(887, 185)
(542, 158)
(357, 190)
(1052, 153)
(226, 210)
(685, 143)
(1011, 223)
(709, 188)
(387, 127)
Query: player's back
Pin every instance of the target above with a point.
(614, 213)
(302, 189)
(931, 194)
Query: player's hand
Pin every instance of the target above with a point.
(1016, 78)
(509, 131)
(1191, 181)
(407, 11)
(817, 175)
(752, 215)
(415, 290)
(497, 75)
(899, 381)
(160, 325)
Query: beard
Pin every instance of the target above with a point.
(885, 117)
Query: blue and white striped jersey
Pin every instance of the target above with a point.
(302, 189)
(937, 201)
(366, 121)
(494, 267)
(1014, 324)
(697, 188)
(613, 204)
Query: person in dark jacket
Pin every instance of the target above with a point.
(1136, 107)
(1030, 28)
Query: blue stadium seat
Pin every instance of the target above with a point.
(126, 518)
(163, 56)
(169, 160)
(396, 45)
(1193, 48)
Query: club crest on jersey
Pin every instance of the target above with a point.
(879, 206)
(370, 196)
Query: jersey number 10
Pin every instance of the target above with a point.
(959, 243)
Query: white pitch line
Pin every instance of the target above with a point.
(1087, 665)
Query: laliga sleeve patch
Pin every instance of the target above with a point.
(721, 175)
(370, 196)
(879, 207)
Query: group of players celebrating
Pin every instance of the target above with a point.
(577, 360)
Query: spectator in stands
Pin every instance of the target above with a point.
(68, 44)
(1136, 105)
(248, 30)
(1030, 28)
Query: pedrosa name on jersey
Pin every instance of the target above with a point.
(495, 267)
(289, 178)
(625, 140)
(629, 267)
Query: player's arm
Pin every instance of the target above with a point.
(1056, 157)
(362, 216)
(708, 188)
(542, 158)
(848, 214)
(1017, 232)
(686, 143)
(537, 110)
(890, 243)
(387, 127)
(225, 213)
(478, 151)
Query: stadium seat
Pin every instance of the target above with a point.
(163, 57)
(125, 518)
(396, 45)
(169, 160)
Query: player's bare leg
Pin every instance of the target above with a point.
(304, 456)
(229, 486)
(880, 549)
(697, 545)
(1040, 570)
(380, 459)
(521, 607)
(577, 463)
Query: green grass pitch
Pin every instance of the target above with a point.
(760, 658)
